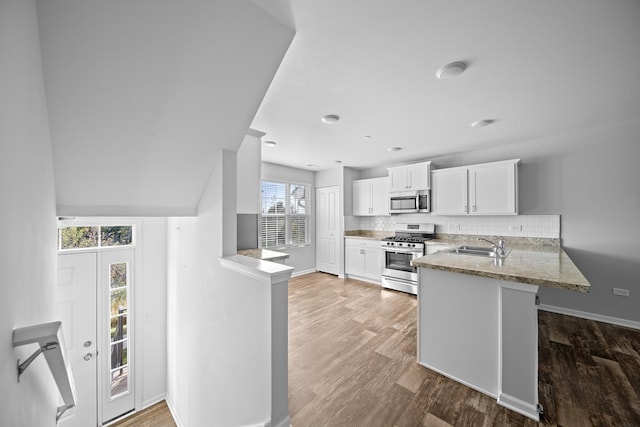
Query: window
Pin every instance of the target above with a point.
(285, 214)
(94, 236)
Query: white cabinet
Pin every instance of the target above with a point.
(449, 195)
(363, 259)
(484, 189)
(415, 177)
(371, 197)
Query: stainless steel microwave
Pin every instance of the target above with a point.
(409, 201)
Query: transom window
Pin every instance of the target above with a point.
(94, 236)
(285, 214)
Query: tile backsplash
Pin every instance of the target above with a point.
(545, 226)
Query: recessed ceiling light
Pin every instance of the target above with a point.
(337, 162)
(330, 118)
(310, 165)
(394, 148)
(451, 70)
(481, 123)
(270, 143)
(367, 138)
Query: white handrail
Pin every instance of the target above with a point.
(49, 338)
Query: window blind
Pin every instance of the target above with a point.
(285, 214)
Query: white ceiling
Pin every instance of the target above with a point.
(142, 95)
(537, 68)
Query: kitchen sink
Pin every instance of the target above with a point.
(478, 250)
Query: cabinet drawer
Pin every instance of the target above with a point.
(363, 243)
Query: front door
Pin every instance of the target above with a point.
(76, 306)
(95, 305)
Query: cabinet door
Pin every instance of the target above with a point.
(398, 179)
(380, 196)
(361, 198)
(493, 189)
(373, 263)
(449, 192)
(355, 259)
(418, 176)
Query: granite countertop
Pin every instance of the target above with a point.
(540, 265)
(368, 234)
(264, 254)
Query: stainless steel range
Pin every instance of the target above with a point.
(397, 253)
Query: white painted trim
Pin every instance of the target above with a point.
(591, 316)
(519, 406)
(446, 374)
(303, 272)
(265, 271)
(174, 414)
(126, 211)
(285, 422)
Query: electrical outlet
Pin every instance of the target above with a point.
(517, 227)
(620, 291)
(454, 227)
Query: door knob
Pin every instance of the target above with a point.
(87, 344)
(87, 357)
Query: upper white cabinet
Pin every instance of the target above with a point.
(415, 177)
(484, 189)
(371, 197)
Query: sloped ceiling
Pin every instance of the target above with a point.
(142, 94)
(538, 68)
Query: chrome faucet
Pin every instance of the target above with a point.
(499, 246)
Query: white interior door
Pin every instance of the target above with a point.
(116, 302)
(76, 306)
(327, 229)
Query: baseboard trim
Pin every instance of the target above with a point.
(519, 406)
(590, 316)
(179, 423)
(453, 377)
(303, 272)
(285, 422)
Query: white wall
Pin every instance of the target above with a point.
(152, 334)
(248, 173)
(28, 217)
(218, 337)
(301, 258)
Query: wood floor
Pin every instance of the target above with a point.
(157, 415)
(352, 362)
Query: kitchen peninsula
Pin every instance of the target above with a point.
(477, 318)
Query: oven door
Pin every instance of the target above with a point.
(403, 204)
(397, 264)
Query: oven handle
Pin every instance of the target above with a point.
(402, 252)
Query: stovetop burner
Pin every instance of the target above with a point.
(406, 239)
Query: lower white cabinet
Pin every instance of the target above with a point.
(363, 259)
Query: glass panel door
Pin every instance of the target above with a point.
(117, 381)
